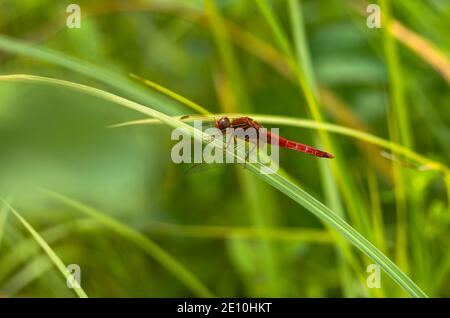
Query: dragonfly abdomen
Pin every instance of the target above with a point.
(285, 143)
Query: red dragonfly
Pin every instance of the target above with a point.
(246, 122)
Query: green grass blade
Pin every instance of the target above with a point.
(28, 274)
(221, 232)
(28, 248)
(122, 83)
(425, 163)
(396, 84)
(163, 90)
(3, 217)
(330, 218)
(280, 182)
(301, 43)
(141, 241)
(257, 196)
(278, 33)
(230, 65)
(48, 250)
(400, 131)
(330, 184)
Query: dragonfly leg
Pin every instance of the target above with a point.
(254, 147)
(233, 137)
(248, 154)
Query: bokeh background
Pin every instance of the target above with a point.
(221, 231)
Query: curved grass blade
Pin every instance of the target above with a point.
(251, 233)
(280, 182)
(122, 83)
(426, 163)
(172, 94)
(329, 217)
(256, 196)
(141, 241)
(51, 254)
(27, 275)
(27, 248)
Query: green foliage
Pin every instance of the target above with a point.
(225, 232)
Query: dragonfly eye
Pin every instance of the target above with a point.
(223, 123)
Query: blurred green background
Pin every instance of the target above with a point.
(228, 233)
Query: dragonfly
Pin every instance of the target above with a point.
(224, 123)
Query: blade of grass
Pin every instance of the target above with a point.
(347, 252)
(402, 257)
(338, 169)
(426, 50)
(122, 83)
(227, 57)
(4, 213)
(396, 84)
(234, 33)
(377, 212)
(222, 232)
(334, 201)
(330, 218)
(172, 94)
(307, 81)
(426, 163)
(399, 130)
(278, 33)
(29, 273)
(28, 247)
(48, 250)
(141, 241)
(301, 44)
(3, 217)
(277, 180)
(422, 48)
(257, 196)
(298, 67)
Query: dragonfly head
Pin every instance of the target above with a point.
(223, 123)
